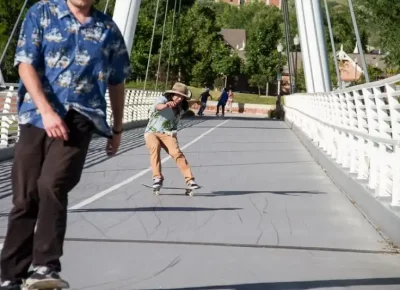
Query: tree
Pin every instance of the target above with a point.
(9, 11)
(225, 62)
(385, 14)
(262, 60)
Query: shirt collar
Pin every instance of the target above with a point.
(63, 9)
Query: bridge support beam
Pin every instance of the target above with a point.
(126, 13)
(313, 46)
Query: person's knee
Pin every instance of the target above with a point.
(176, 153)
(154, 148)
(56, 188)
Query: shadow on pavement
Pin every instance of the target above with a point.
(298, 285)
(245, 192)
(152, 209)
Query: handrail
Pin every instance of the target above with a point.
(375, 139)
(359, 128)
(137, 108)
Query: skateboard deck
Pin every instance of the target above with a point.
(156, 191)
(47, 285)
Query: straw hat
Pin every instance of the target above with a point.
(181, 89)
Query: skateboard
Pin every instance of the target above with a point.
(47, 285)
(156, 191)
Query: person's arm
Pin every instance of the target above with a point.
(53, 124)
(120, 70)
(163, 106)
(27, 58)
(117, 100)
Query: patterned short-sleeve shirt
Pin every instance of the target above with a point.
(162, 121)
(75, 62)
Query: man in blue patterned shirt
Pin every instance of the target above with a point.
(68, 54)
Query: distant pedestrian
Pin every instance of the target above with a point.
(222, 102)
(230, 100)
(204, 98)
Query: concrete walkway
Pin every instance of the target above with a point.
(268, 217)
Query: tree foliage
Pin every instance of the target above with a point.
(384, 15)
(195, 51)
(262, 60)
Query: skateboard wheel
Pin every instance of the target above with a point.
(189, 192)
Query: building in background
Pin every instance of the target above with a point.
(276, 3)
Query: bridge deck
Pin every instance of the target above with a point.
(268, 217)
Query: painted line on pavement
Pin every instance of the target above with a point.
(136, 176)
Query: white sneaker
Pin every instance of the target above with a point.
(157, 183)
(192, 185)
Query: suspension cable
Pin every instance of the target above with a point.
(170, 45)
(293, 60)
(12, 32)
(178, 33)
(106, 7)
(328, 17)
(162, 43)
(287, 36)
(151, 44)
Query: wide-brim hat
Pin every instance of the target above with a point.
(180, 89)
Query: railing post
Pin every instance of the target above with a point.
(5, 120)
(396, 177)
(383, 128)
(394, 108)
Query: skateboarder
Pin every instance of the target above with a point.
(204, 98)
(68, 54)
(161, 132)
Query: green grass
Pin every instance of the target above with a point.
(13, 127)
(238, 97)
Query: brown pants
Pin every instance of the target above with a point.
(44, 171)
(156, 141)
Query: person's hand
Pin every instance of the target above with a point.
(113, 145)
(171, 104)
(55, 126)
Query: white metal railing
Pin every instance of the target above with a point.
(359, 128)
(137, 108)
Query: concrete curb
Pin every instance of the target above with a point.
(8, 152)
(377, 210)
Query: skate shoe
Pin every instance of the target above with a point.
(45, 277)
(192, 185)
(157, 183)
(8, 285)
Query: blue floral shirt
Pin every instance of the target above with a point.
(75, 62)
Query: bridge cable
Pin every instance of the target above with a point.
(178, 31)
(106, 7)
(170, 45)
(359, 44)
(151, 44)
(285, 12)
(162, 43)
(328, 17)
(13, 32)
